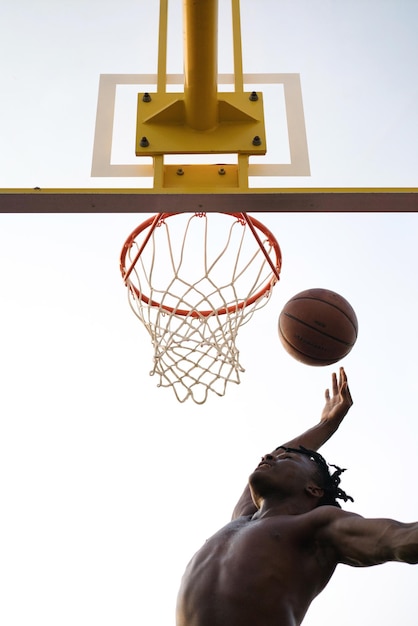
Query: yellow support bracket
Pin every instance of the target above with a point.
(200, 176)
(162, 126)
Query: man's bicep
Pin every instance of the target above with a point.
(361, 542)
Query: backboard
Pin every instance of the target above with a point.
(339, 102)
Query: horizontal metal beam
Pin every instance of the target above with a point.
(333, 200)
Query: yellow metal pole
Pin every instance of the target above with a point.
(200, 22)
(158, 161)
(162, 47)
(243, 159)
(236, 33)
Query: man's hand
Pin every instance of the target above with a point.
(337, 406)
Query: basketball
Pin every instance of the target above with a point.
(318, 327)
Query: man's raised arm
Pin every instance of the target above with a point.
(336, 408)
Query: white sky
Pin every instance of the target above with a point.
(108, 485)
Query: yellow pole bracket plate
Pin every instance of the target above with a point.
(162, 129)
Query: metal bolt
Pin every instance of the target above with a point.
(253, 96)
(146, 97)
(144, 143)
(221, 171)
(256, 141)
(180, 172)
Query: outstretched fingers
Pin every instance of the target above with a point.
(343, 376)
(335, 386)
(347, 395)
(339, 386)
(337, 399)
(344, 389)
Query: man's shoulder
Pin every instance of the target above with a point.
(321, 526)
(327, 516)
(329, 512)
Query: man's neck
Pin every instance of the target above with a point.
(274, 507)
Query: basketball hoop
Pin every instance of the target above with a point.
(193, 283)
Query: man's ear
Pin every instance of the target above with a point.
(314, 491)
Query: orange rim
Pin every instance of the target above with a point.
(153, 222)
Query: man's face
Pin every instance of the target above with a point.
(283, 472)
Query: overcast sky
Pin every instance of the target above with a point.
(109, 485)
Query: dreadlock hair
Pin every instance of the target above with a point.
(330, 482)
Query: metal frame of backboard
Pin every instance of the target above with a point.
(328, 200)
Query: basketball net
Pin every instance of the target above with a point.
(193, 280)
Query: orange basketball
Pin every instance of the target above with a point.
(318, 327)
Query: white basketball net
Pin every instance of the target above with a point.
(209, 266)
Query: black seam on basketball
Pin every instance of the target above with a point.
(334, 306)
(296, 319)
(313, 359)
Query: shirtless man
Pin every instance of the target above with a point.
(281, 548)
